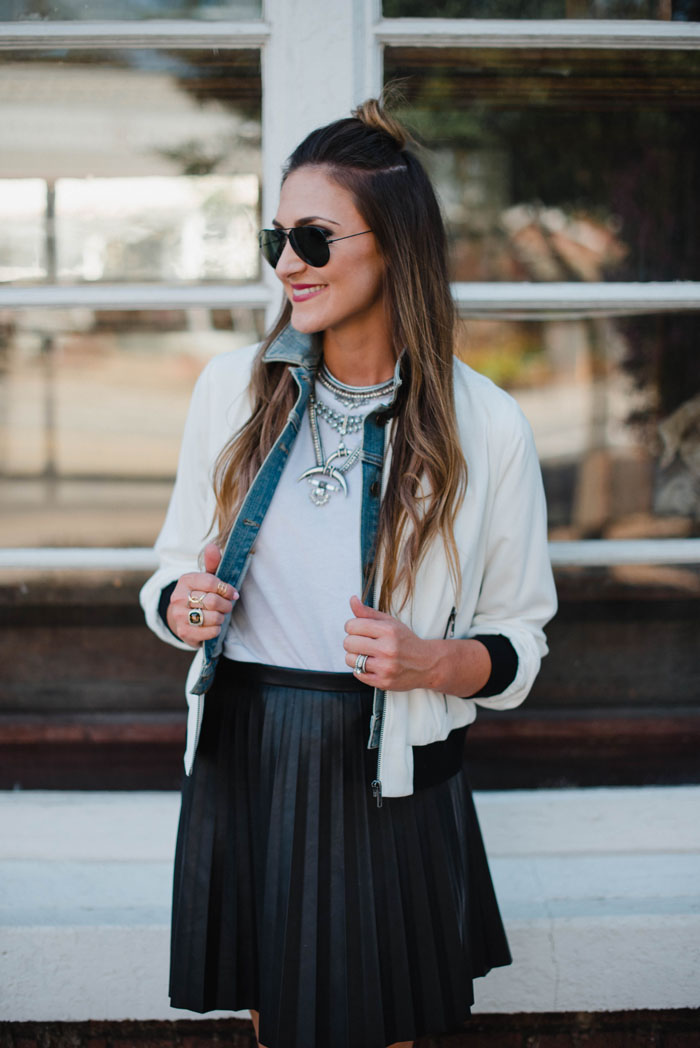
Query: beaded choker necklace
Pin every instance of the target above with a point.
(353, 396)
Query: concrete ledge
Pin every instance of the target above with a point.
(599, 889)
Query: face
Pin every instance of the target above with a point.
(346, 295)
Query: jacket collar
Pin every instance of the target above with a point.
(293, 347)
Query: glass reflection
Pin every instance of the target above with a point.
(681, 10)
(196, 228)
(616, 416)
(135, 166)
(561, 165)
(22, 229)
(128, 10)
(92, 406)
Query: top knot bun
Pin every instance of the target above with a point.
(373, 114)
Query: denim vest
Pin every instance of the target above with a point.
(302, 353)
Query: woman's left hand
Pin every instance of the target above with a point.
(398, 660)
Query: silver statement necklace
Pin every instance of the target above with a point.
(325, 478)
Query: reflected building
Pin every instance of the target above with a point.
(116, 169)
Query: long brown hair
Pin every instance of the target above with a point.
(367, 155)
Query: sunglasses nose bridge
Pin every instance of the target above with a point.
(289, 258)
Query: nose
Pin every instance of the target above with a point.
(289, 262)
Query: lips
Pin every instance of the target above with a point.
(301, 292)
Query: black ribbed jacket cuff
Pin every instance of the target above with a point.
(165, 595)
(504, 664)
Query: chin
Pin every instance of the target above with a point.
(304, 328)
(305, 325)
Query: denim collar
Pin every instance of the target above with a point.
(293, 347)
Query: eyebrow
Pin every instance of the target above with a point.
(305, 221)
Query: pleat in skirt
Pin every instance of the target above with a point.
(343, 924)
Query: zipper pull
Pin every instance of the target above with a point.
(377, 791)
(450, 627)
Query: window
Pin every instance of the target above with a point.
(138, 156)
(140, 148)
(119, 169)
(682, 10)
(122, 10)
(577, 166)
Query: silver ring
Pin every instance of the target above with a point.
(360, 663)
(196, 601)
(196, 617)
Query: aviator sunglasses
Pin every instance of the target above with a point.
(310, 243)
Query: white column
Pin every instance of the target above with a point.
(320, 60)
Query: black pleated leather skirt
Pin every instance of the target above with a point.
(343, 924)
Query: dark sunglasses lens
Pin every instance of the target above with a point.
(310, 244)
(271, 244)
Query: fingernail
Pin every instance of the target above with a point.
(235, 595)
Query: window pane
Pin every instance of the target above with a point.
(565, 165)
(138, 166)
(615, 408)
(198, 227)
(92, 406)
(22, 229)
(117, 10)
(681, 10)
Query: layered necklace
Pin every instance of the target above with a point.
(327, 477)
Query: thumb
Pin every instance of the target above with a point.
(212, 557)
(363, 611)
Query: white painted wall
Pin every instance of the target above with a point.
(314, 70)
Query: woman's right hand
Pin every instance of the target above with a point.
(201, 589)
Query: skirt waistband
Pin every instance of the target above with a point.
(282, 676)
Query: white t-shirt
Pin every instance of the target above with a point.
(295, 599)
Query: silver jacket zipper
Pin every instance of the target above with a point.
(449, 635)
(376, 783)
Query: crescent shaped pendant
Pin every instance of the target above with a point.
(312, 472)
(324, 471)
(337, 475)
(337, 455)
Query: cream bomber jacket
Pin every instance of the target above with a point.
(500, 530)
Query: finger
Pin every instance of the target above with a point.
(212, 557)
(365, 628)
(362, 646)
(201, 582)
(351, 661)
(208, 601)
(371, 674)
(226, 591)
(196, 635)
(363, 611)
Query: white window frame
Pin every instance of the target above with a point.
(312, 70)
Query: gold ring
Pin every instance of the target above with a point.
(196, 601)
(221, 588)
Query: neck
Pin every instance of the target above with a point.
(358, 362)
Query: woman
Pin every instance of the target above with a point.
(384, 570)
